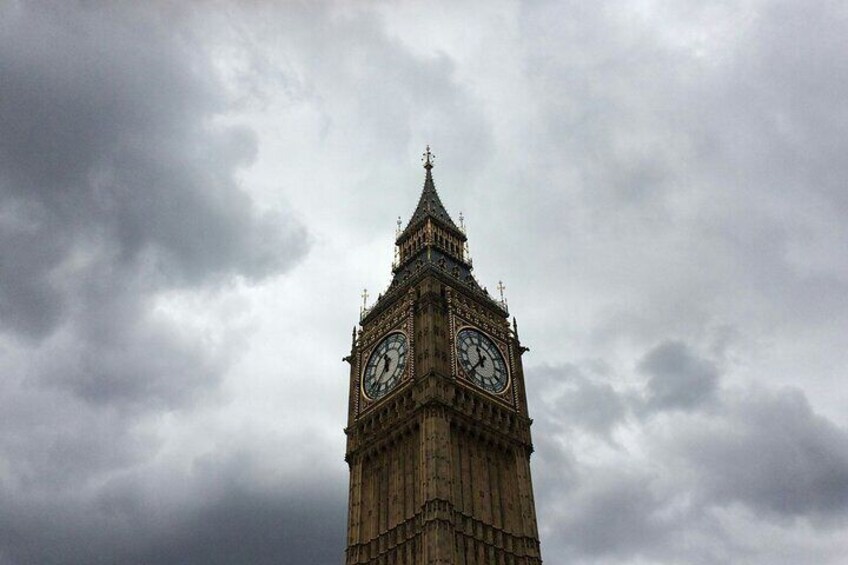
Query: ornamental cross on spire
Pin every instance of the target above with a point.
(428, 159)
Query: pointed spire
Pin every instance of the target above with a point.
(429, 204)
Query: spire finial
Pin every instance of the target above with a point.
(428, 159)
(501, 288)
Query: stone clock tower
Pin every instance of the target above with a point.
(438, 435)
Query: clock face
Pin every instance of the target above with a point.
(385, 366)
(481, 360)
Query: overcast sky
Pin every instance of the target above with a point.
(193, 196)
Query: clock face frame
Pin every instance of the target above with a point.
(385, 366)
(481, 360)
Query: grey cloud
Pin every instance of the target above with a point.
(107, 153)
(378, 101)
(223, 515)
(771, 452)
(258, 528)
(117, 185)
(668, 170)
(702, 178)
(678, 379)
(763, 450)
(615, 513)
(572, 398)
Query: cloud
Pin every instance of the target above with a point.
(590, 404)
(660, 185)
(121, 195)
(113, 168)
(771, 452)
(258, 528)
(684, 474)
(223, 511)
(678, 379)
(615, 513)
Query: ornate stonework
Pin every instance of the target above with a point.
(439, 467)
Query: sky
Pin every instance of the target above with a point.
(193, 196)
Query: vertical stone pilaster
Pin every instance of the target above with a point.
(436, 487)
(354, 505)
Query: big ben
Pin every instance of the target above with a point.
(438, 434)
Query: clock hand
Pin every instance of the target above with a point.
(386, 363)
(481, 362)
(481, 358)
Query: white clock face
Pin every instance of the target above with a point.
(385, 366)
(481, 360)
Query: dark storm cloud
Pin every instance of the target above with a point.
(117, 186)
(282, 526)
(109, 158)
(223, 515)
(675, 177)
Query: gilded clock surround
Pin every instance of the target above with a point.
(439, 467)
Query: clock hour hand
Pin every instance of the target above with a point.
(481, 359)
(387, 361)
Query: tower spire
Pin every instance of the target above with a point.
(431, 242)
(429, 204)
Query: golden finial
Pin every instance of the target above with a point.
(428, 159)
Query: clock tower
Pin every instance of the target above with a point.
(438, 434)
